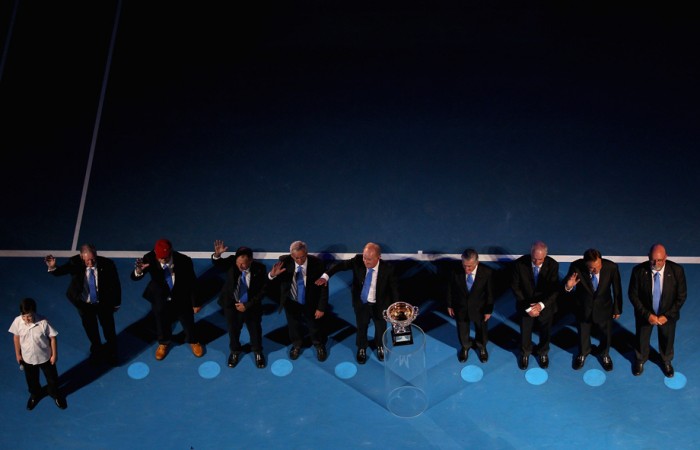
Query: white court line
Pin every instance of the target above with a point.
(88, 171)
(337, 256)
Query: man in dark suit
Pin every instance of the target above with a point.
(657, 291)
(303, 301)
(96, 292)
(374, 288)
(241, 299)
(535, 284)
(470, 298)
(171, 292)
(594, 284)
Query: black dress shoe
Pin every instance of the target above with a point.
(31, 403)
(259, 361)
(463, 354)
(544, 361)
(483, 355)
(380, 353)
(637, 368)
(294, 353)
(361, 355)
(61, 402)
(668, 370)
(607, 363)
(233, 359)
(523, 362)
(321, 353)
(579, 361)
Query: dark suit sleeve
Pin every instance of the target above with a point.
(393, 285)
(115, 286)
(222, 263)
(448, 293)
(634, 292)
(488, 306)
(516, 281)
(344, 265)
(617, 290)
(681, 292)
(552, 286)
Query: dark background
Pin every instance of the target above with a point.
(419, 125)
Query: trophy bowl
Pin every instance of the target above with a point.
(400, 315)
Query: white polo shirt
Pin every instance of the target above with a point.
(34, 338)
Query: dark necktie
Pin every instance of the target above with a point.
(168, 276)
(365, 287)
(470, 282)
(537, 274)
(92, 285)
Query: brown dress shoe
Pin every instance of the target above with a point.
(197, 349)
(161, 351)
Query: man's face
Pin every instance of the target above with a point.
(657, 258)
(370, 258)
(594, 266)
(243, 262)
(469, 265)
(538, 256)
(299, 256)
(88, 257)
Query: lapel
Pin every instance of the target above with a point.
(647, 283)
(603, 278)
(669, 282)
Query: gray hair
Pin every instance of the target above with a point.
(297, 246)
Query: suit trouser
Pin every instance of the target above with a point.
(363, 314)
(481, 330)
(165, 312)
(31, 374)
(298, 315)
(253, 322)
(584, 332)
(90, 314)
(527, 324)
(666, 336)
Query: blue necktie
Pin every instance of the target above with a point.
(168, 276)
(243, 288)
(365, 287)
(594, 280)
(301, 289)
(537, 274)
(92, 284)
(656, 295)
(470, 282)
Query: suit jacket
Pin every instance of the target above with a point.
(110, 289)
(316, 296)
(256, 289)
(157, 291)
(387, 289)
(479, 300)
(673, 292)
(603, 303)
(526, 292)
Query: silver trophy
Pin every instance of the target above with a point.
(400, 315)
